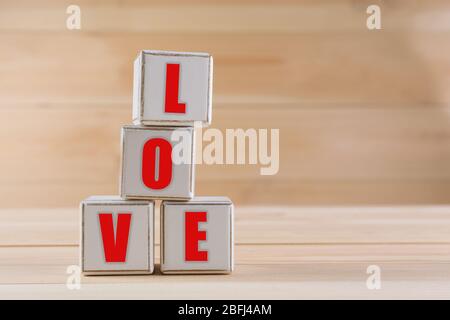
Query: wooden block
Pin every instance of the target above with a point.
(117, 236)
(197, 236)
(172, 88)
(148, 169)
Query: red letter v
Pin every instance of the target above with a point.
(115, 249)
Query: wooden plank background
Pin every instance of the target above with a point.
(364, 116)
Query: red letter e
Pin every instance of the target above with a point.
(193, 236)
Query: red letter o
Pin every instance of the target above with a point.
(149, 177)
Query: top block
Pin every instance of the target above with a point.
(172, 88)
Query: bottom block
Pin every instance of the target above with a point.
(117, 236)
(197, 236)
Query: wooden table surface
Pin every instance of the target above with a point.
(280, 252)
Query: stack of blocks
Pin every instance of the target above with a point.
(172, 90)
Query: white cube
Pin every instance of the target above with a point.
(117, 236)
(172, 88)
(152, 167)
(197, 236)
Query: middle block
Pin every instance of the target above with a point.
(157, 163)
